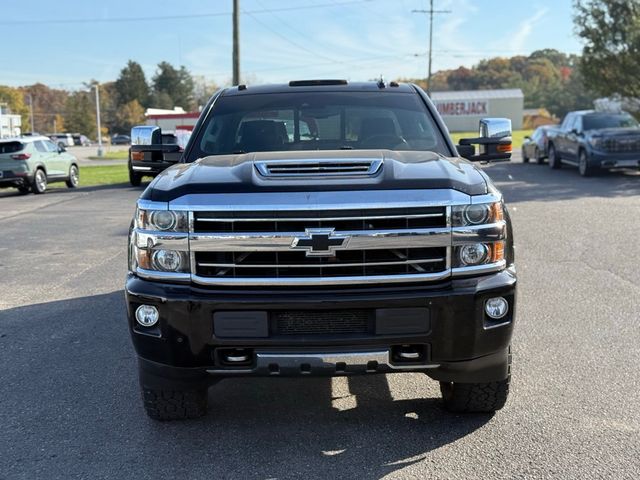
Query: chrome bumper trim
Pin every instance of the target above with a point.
(321, 281)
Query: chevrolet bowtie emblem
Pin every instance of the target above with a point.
(320, 242)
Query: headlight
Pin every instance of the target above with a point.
(596, 143)
(162, 220)
(476, 214)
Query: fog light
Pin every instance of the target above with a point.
(147, 315)
(496, 308)
(473, 254)
(167, 260)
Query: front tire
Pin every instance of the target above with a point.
(484, 397)
(39, 184)
(135, 179)
(171, 404)
(74, 177)
(584, 167)
(475, 397)
(554, 158)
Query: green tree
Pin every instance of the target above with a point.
(610, 30)
(173, 86)
(131, 85)
(80, 115)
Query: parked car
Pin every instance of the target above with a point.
(535, 146)
(62, 139)
(121, 140)
(595, 140)
(372, 246)
(81, 140)
(144, 162)
(31, 163)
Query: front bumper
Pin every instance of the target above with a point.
(615, 160)
(457, 340)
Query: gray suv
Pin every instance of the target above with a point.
(31, 163)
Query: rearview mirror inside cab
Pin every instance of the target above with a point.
(494, 142)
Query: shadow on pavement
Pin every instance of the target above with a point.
(70, 406)
(532, 182)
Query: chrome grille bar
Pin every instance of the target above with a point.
(324, 265)
(282, 241)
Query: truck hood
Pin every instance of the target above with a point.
(614, 132)
(239, 173)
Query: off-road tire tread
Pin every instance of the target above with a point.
(475, 397)
(164, 404)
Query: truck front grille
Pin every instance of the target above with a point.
(320, 247)
(621, 145)
(343, 263)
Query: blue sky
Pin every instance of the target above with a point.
(74, 41)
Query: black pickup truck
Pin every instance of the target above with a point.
(594, 140)
(323, 228)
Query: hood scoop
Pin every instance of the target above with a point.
(351, 167)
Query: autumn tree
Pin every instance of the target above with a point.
(14, 100)
(47, 103)
(129, 115)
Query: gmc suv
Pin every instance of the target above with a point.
(322, 228)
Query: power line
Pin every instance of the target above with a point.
(173, 17)
(288, 40)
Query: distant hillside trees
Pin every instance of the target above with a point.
(548, 78)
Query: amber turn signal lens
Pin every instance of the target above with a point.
(143, 258)
(138, 156)
(497, 214)
(497, 252)
(506, 148)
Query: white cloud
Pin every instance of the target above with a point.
(518, 40)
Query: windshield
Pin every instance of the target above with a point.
(599, 121)
(318, 121)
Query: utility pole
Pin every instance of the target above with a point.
(97, 87)
(31, 110)
(236, 42)
(431, 11)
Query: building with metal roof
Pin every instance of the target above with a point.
(461, 110)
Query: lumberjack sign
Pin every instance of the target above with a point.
(463, 108)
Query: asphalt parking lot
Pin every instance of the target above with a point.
(69, 400)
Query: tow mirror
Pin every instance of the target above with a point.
(147, 146)
(146, 135)
(494, 142)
